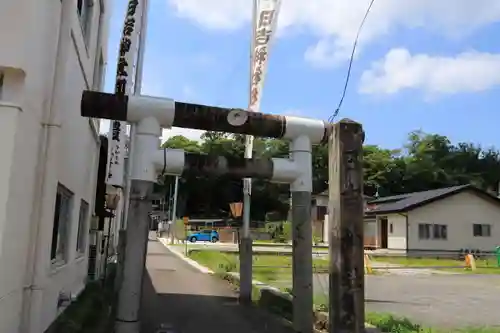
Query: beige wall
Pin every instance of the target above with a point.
(47, 64)
(397, 238)
(459, 212)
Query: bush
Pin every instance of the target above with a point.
(287, 230)
(390, 323)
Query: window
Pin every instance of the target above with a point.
(84, 8)
(82, 227)
(432, 231)
(440, 231)
(424, 231)
(481, 230)
(391, 228)
(62, 222)
(1, 85)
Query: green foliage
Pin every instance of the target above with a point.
(91, 312)
(393, 324)
(287, 231)
(389, 323)
(425, 161)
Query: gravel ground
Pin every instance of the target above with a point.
(455, 300)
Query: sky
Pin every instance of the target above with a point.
(420, 64)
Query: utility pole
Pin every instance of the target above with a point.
(345, 217)
(174, 207)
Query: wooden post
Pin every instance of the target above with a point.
(345, 218)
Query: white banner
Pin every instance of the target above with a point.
(124, 85)
(265, 22)
(264, 25)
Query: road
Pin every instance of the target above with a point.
(188, 301)
(454, 301)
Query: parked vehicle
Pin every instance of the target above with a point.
(204, 236)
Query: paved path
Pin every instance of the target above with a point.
(191, 302)
(456, 300)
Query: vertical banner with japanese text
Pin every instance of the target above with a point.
(124, 86)
(264, 25)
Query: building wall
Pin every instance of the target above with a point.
(396, 232)
(370, 238)
(458, 212)
(46, 62)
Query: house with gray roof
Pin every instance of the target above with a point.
(447, 219)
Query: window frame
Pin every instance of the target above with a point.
(432, 231)
(480, 232)
(61, 227)
(2, 83)
(81, 236)
(84, 10)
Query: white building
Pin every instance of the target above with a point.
(50, 51)
(435, 222)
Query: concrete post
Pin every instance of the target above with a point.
(303, 319)
(245, 257)
(346, 271)
(129, 297)
(120, 258)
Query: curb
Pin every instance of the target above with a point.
(257, 284)
(191, 262)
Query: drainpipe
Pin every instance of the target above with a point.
(37, 263)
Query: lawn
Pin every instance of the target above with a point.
(267, 268)
(484, 266)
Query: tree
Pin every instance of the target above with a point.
(426, 161)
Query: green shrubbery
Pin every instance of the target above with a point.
(91, 312)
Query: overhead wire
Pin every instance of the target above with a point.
(351, 60)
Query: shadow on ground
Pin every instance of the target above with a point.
(190, 302)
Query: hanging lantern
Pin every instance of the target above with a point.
(112, 201)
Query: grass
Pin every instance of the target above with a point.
(267, 268)
(91, 312)
(484, 266)
(392, 324)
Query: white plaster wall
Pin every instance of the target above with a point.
(459, 212)
(397, 238)
(47, 65)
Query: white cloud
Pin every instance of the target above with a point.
(104, 126)
(188, 92)
(191, 134)
(335, 22)
(293, 112)
(398, 70)
(166, 133)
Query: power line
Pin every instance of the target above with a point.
(350, 62)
